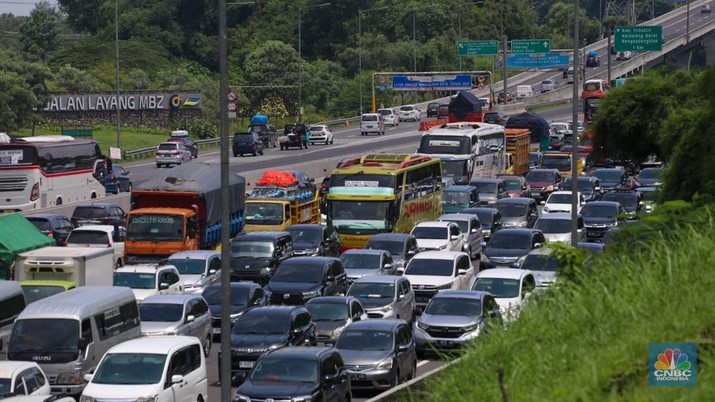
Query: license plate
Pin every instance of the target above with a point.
(217, 330)
(592, 234)
(9, 211)
(535, 194)
(247, 365)
(356, 376)
(445, 343)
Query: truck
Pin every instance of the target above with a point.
(266, 131)
(84, 266)
(592, 59)
(562, 162)
(517, 150)
(281, 199)
(180, 210)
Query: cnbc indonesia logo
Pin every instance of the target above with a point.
(673, 364)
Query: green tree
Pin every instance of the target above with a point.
(72, 79)
(39, 33)
(274, 67)
(22, 90)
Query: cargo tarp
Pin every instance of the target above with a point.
(18, 235)
(259, 119)
(538, 126)
(463, 104)
(277, 178)
(203, 178)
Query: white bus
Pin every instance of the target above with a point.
(41, 172)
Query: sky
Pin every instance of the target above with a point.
(20, 7)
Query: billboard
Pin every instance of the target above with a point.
(550, 60)
(431, 83)
(86, 102)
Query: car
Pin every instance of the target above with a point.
(568, 74)
(650, 196)
(171, 153)
(490, 218)
(98, 214)
(159, 368)
(247, 143)
(610, 178)
(149, 279)
(560, 201)
(199, 269)
(331, 314)
(185, 314)
(705, 9)
(555, 142)
(294, 135)
(494, 118)
(610, 235)
(55, 226)
(591, 247)
(588, 186)
(457, 197)
(379, 354)
(266, 132)
(262, 329)
(401, 246)
(255, 255)
(542, 182)
(558, 226)
(320, 134)
(632, 200)
(535, 160)
(518, 212)
(501, 97)
(243, 295)
(490, 190)
(409, 112)
(509, 247)
(624, 55)
(443, 112)
(389, 117)
(22, 378)
(314, 240)
(431, 272)
(39, 289)
(561, 128)
(367, 262)
(100, 236)
(372, 123)
(297, 374)
(453, 319)
(432, 108)
(544, 265)
(599, 216)
(516, 186)
(548, 85)
(650, 177)
(511, 288)
(580, 126)
(299, 279)
(471, 230)
(434, 235)
(385, 296)
(188, 143)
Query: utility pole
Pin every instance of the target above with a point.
(116, 48)
(503, 37)
(574, 128)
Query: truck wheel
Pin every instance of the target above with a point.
(158, 165)
(241, 155)
(235, 155)
(261, 152)
(255, 153)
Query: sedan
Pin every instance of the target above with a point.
(320, 134)
(122, 174)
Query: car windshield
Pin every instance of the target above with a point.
(430, 267)
(393, 247)
(281, 369)
(385, 112)
(167, 147)
(651, 195)
(429, 232)
(243, 138)
(328, 311)
(40, 223)
(556, 162)
(553, 225)
(239, 295)
(135, 280)
(306, 236)
(365, 340)
(4, 386)
(189, 266)
(628, 200)
(454, 306)
(485, 217)
(650, 174)
(360, 261)
(37, 292)
(498, 287)
(316, 129)
(161, 312)
(32, 335)
(363, 290)
(608, 175)
(599, 211)
(560, 198)
(584, 186)
(540, 262)
(511, 240)
(257, 322)
(89, 212)
(407, 108)
(484, 187)
(463, 224)
(288, 272)
(455, 169)
(510, 210)
(540, 177)
(130, 369)
(455, 198)
(533, 159)
(251, 249)
(513, 185)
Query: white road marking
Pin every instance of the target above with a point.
(422, 363)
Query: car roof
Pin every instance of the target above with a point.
(616, 168)
(486, 180)
(45, 216)
(438, 255)
(275, 310)
(543, 170)
(369, 251)
(143, 268)
(603, 203)
(168, 142)
(380, 279)
(10, 367)
(507, 273)
(480, 209)
(381, 324)
(433, 224)
(461, 294)
(331, 300)
(515, 200)
(97, 205)
(195, 254)
(456, 217)
(506, 231)
(154, 344)
(459, 187)
(109, 229)
(170, 299)
(391, 236)
(237, 285)
(557, 216)
(307, 226)
(261, 235)
(74, 302)
(301, 352)
(310, 260)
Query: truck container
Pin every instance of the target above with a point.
(180, 210)
(85, 266)
(465, 107)
(517, 150)
(281, 199)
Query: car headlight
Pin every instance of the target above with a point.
(235, 316)
(387, 308)
(69, 379)
(240, 398)
(470, 328)
(486, 232)
(312, 293)
(422, 326)
(337, 331)
(546, 210)
(85, 398)
(385, 364)
(550, 188)
(444, 287)
(173, 331)
(485, 258)
(304, 398)
(152, 398)
(312, 250)
(520, 260)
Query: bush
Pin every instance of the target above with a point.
(198, 128)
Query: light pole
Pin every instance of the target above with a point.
(414, 39)
(116, 48)
(300, 60)
(503, 38)
(360, 13)
(459, 26)
(574, 128)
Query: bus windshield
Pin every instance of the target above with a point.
(154, 227)
(359, 215)
(456, 169)
(30, 338)
(445, 144)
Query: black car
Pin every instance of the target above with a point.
(99, 214)
(495, 118)
(599, 216)
(261, 329)
(299, 279)
(188, 143)
(589, 186)
(244, 295)
(247, 143)
(319, 374)
(631, 200)
(490, 218)
(509, 247)
(649, 177)
(432, 108)
(314, 240)
(535, 160)
(255, 255)
(267, 133)
(123, 180)
(331, 314)
(443, 111)
(55, 226)
(379, 354)
(401, 246)
(610, 178)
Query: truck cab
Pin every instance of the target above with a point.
(562, 162)
(156, 233)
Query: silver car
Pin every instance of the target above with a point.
(331, 314)
(386, 296)
(362, 262)
(557, 227)
(172, 153)
(199, 269)
(185, 314)
(471, 230)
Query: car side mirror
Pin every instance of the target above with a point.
(81, 344)
(177, 378)
(493, 313)
(191, 232)
(329, 278)
(403, 348)
(474, 230)
(537, 245)
(453, 237)
(163, 286)
(462, 272)
(330, 378)
(401, 271)
(597, 189)
(401, 297)
(88, 377)
(387, 266)
(212, 271)
(190, 318)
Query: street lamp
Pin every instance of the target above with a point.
(360, 13)
(300, 60)
(574, 128)
(116, 48)
(459, 25)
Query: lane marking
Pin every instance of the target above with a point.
(422, 363)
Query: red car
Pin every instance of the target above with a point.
(542, 182)
(500, 97)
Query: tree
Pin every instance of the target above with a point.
(274, 66)
(72, 79)
(39, 34)
(22, 90)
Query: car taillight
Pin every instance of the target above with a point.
(323, 187)
(174, 152)
(35, 193)
(158, 153)
(50, 234)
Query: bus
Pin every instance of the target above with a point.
(382, 193)
(594, 88)
(46, 171)
(590, 104)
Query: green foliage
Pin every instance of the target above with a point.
(570, 261)
(22, 89)
(198, 128)
(72, 79)
(39, 34)
(274, 64)
(94, 51)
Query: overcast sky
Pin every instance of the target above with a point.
(20, 7)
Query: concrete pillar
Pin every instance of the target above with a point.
(709, 45)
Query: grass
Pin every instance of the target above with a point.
(588, 340)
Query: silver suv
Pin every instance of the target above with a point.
(172, 153)
(385, 296)
(185, 314)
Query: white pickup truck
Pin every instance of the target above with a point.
(100, 236)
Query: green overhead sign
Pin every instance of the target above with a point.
(638, 38)
(478, 48)
(532, 46)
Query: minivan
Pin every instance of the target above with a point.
(12, 302)
(372, 123)
(255, 255)
(524, 91)
(247, 143)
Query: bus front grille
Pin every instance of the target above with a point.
(17, 183)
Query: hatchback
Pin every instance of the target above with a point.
(331, 314)
(177, 315)
(443, 112)
(557, 227)
(188, 143)
(518, 212)
(320, 134)
(410, 112)
(560, 201)
(171, 153)
(390, 117)
(123, 178)
(247, 143)
(544, 264)
(55, 226)
(548, 85)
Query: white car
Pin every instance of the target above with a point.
(432, 271)
(436, 235)
(199, 269)
(171, 153)
(560, 201)
(557, 227)
(472, 231)
(177, 315)
(154, 368)
(624, 55)
(511, 287)
(409, 112)
(149, 279)
(544, 265)
(561, 128)
(390, 117)
(372, 123)
(548, 85)
(100, 236)
(320, 134)
(22, 378)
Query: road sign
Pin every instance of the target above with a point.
(231, 115)
(638, 38)
(481, 78)
(231, 97)
(231, 107)
(478, 48)
(431, 83)
(382, 79)
(383, 87)
(480, 85)
(530, 46)
(551, 60)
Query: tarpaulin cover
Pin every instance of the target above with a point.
(259, 119)
(592, 53)
(463, 104)
(277, 178)
(203, 178)
(18, 235)
(538, 126)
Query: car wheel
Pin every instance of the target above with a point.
(414, 370)
(235, 155)
(255, 153)
(158, 165)
(181, 162)
(241, 155)
(261, 152)
(119, 263)
(207, 346)
(396, 379)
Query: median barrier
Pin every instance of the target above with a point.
(427, 125)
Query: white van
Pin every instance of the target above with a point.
(157, 368)
(12, 302)
(524, 91)
(22, 378)
(372, 123)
